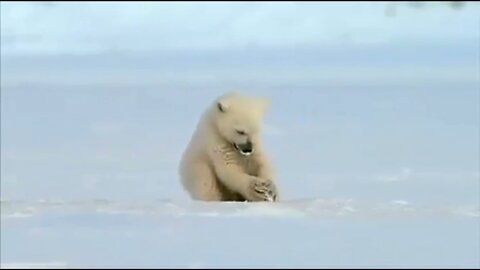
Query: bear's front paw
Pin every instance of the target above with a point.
(263, 190)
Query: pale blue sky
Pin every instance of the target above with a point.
(92, 95)
(96, 27)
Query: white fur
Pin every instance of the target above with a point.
(211, 168)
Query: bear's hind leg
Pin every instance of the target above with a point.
(228, 195)
(203, 184)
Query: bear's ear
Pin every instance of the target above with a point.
(222, 107)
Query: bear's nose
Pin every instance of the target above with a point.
(246, 147)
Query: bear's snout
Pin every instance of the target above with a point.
(245, 148)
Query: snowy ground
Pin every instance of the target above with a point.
(374, 130)
(310, 233)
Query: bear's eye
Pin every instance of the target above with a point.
(240, 132)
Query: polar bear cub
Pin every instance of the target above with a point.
(225, 159)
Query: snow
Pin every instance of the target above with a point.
(282, 209)
(304, 233)
(373, 128)
(35, 265)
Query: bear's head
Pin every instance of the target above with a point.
(238, 120)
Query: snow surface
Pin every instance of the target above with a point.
(373, 128)
(309, 233)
